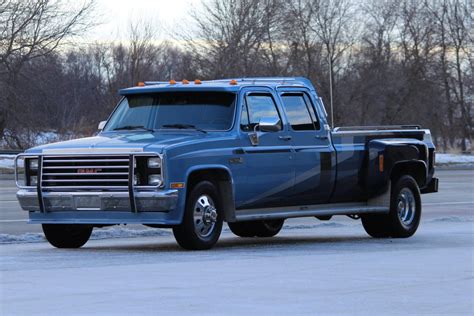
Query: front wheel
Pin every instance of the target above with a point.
(405, 212)
(202, 221)
(67, 235)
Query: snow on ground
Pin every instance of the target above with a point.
(454, 159)
(6, 161)
(102, 233)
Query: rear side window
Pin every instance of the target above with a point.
(300, 113)
(255, 108)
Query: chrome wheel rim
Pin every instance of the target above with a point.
(205, 216)
(406, 206)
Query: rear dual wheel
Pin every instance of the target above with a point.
(267, 228)
(405, 212)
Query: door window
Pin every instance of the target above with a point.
(300, 113)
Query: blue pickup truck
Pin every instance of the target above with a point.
(251, 152)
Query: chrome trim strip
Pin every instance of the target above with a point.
(84, 167)
(76, 151)
(83, 160)
(309, 210)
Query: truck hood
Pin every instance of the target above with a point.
(121, 142)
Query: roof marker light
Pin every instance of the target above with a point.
(233, 82)
(141, 84)
(197, 81)
(172, 81)
(185, 81)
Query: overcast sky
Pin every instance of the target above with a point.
(117, 14)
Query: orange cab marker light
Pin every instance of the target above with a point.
(172, 81)
(141, 84)
(177, 185)
(197, 81)
(381, 163)
(233, 82)
(185, 81)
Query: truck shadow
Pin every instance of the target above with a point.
(259, 245)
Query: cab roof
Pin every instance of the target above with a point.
(224, 85)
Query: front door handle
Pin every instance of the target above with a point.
(286, 137)
(321, 136)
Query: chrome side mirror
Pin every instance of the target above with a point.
(270, 124)
(266, 124)
(101, 125)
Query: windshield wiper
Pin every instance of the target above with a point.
(184, 126)
(133, 127)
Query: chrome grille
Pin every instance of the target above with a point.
(85, 172)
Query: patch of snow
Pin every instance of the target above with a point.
(454, 159)
(6, 161)
(452, 219)
(123, 232)
(23, 238)
(97, 234)
(302, 226)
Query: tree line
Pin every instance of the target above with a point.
(383, 62)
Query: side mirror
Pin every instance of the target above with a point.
(266, 124)
(101, 125)
(269, 124)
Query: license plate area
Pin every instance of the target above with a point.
(87, 202)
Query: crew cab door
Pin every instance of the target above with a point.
(268, 164)
(314, 155)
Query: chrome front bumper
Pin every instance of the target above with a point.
(142, 201)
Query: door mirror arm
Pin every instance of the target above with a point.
(254, 136)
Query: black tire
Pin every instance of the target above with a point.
(243, 229)
(268, 228)
(187, 234)
(67, 235)
(405, 212)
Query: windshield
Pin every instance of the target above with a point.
(205, 111)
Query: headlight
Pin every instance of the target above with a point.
(154, 162)
(155, 179)
(33, 180)
(33, 164)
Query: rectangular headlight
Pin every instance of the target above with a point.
(155, 179)
(154, 162)
(33, 181)
(33, 164)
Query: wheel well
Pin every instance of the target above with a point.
(416, 169)
(223, 182)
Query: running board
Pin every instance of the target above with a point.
(308, 210)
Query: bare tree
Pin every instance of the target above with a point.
(32, 29)
(333, 25)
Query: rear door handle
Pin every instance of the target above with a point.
(286, 137)
(321, 136)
